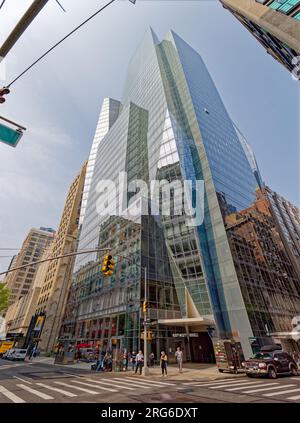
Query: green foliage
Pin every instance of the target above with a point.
(4, 295)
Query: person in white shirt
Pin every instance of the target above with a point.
(179, 358)
(139, 362)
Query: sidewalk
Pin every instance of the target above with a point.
(191, 371)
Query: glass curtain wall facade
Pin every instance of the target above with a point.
(109, 113)
(172, 126)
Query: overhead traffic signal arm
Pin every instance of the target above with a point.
(3, 91)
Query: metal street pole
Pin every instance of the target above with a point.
(21, 26)
(145, 368)
(76, 253)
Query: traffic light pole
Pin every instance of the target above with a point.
(145, 368)
(35, 263)
(22, 25)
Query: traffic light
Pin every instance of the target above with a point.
(108, 266)
(145, 306)
(3, 91)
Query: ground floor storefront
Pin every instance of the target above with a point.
(118, 336)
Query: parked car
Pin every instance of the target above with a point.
(271, 363)
(16, 354)
(6, 354)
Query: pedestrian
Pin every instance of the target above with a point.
(125, 361)
(151, 359)
(163, 363)
(139, 362)
(179, 358)
(108, 362)
(133, 360)
(33, 353)
(100, 361)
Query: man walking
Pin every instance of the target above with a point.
(151, 359)
(163, 363)
(179, 358)
(139, 362)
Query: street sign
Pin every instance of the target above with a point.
(10, 132)
(10, 136)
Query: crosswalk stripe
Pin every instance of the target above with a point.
(23, 380)
(88, 391)
(252, 391)
(142, 381)
(136, 384)
(35, 392)
(296, 398)
(10, 395)
(211, 382)
(231, 385)
(108, 382)
(156, 381)
(93, 386)
(70, 374)
(289, 391)
(60, 391)
(246, 385)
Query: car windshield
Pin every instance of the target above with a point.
(262, 356)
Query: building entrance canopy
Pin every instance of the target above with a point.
(194, 322)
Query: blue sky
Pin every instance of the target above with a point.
(59, 101)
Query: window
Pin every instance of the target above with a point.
(284, 6)
(297, 16)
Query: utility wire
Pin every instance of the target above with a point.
(2, 4)
(60, 5)
(61, 41)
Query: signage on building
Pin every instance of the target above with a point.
(14, 335)
(185, 335)
(39, 324)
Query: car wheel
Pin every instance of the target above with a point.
(272, 373)
(294, 371)
(221, 370)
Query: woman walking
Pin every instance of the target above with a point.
(163, 363)
(179, 358)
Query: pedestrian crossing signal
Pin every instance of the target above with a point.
(149, 335)
(108, 266)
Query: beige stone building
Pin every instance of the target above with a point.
(57, 279)
(18, 315)
(21, 281)
(275, 24)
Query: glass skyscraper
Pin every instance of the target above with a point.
(171, 126)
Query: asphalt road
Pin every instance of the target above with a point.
(35, 382)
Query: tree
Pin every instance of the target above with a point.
(4, 295)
